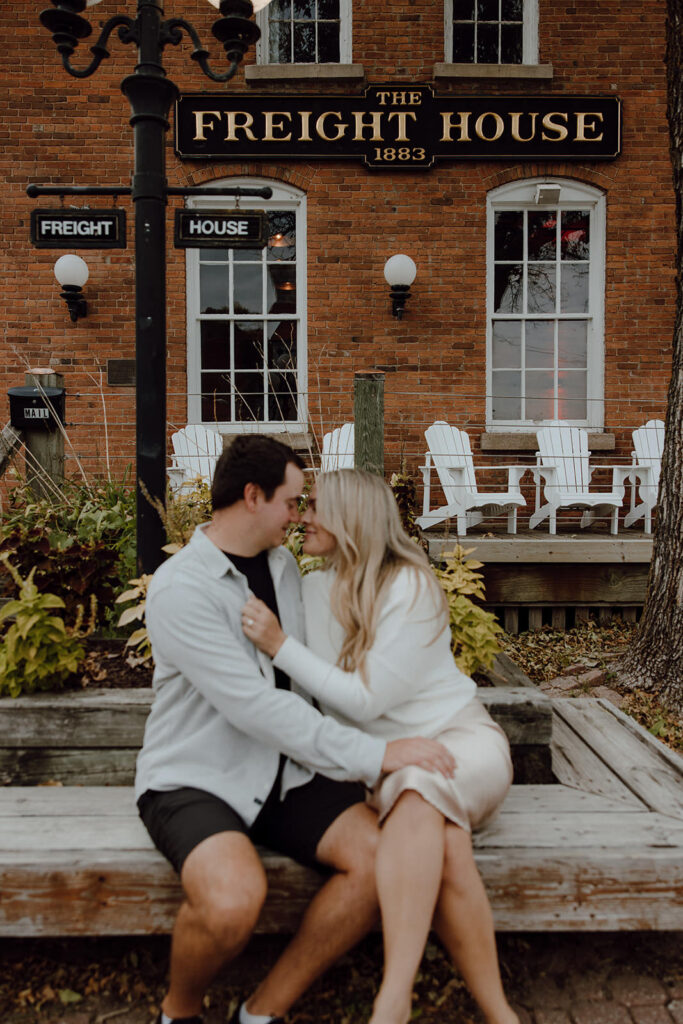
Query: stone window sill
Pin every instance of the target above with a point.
(526, 441)
(256, 73)
(518, 71)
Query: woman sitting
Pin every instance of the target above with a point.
(379, 654)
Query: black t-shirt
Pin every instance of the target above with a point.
(257, 571)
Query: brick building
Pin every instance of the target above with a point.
(545, 263)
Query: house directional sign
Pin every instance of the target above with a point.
(78, 229)
(220, 229)
(397, 126)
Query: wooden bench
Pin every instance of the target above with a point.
(599, 849)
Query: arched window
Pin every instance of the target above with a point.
(246, 308)
(545, 299)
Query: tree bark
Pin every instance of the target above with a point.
(654, 661)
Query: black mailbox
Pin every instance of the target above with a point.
(31, 408)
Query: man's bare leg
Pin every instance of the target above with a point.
(341, 913)
(225, 886)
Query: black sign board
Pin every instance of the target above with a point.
(220, 229)
(78, 229)
(397, 126)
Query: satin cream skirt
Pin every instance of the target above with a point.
(483, 773)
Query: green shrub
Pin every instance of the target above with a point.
(474, 631)
(38, 651)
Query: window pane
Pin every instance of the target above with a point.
(508, 235)
(511, 10)
(488, 10)
(575, 241)
(463, 10)
(213, 290)
(539, 344)
(508, 288)
(281, 285)
(282, 396)
(304, 9)
(280, 9)
(463, 44)
(540, 388)
(487, 43)
(541, 288)
(511, 45)
(328, 42)
(304, 42)
(215, 397)
(572, 343)
(572, 403)
(247, 288)
(249, 354)
(328, 9)
(281, 345)
(281, 236)
(507, 343)
(507, 391)
(574, 288)
(248, 397)
(280, 42)
(542, 235)
(215, 345)
(213, 255)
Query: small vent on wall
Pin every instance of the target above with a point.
(121, 373)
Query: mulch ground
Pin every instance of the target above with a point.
(95, 981)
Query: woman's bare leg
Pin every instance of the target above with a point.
(409, 866)
(464, 923)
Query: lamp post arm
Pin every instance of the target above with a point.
(174, 29)
(100, 52)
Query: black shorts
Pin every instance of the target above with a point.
(180, 819)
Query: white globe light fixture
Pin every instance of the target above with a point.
(72, 272)
(258, 5)
(399, 272)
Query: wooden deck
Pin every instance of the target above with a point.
(600, 849)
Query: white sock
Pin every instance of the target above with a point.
(252, 1018)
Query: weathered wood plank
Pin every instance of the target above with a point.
(33, 766)
(545, 549)
(654, 777)
(575, 764)
(578, 583)
(524, 713)
(133, 894)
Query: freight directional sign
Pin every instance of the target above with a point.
(78, 229)
(220, 229)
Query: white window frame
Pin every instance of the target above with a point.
(574, 195)
(529, 34)
(345, 36)
(285, 197)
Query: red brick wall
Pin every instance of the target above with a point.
(58, 129)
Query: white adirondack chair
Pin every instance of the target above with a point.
(196, 449)
(338, 449)
(451, 455)
(648, 445)
(563, 464)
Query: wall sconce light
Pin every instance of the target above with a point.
(72, 273)
(399, 272)
(548, 194)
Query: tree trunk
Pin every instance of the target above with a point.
(654, 660)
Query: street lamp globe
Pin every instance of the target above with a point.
(71, 270)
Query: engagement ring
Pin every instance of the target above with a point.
(250, 622)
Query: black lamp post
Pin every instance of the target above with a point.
(150, 94)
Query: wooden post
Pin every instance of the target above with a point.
(368, 395)
(44, 448)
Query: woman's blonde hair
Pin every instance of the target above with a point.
(372, 547)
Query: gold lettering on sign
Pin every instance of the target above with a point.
(479, 126)
(462, 125)
(233, 125)
(276, 126)
(320, 126)
(383, 98)
(200, 125)
(304, 135)
(551, 125)
(376, 125)
(402, 117)
(415, 98)
(583, 125)
(515, 126)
